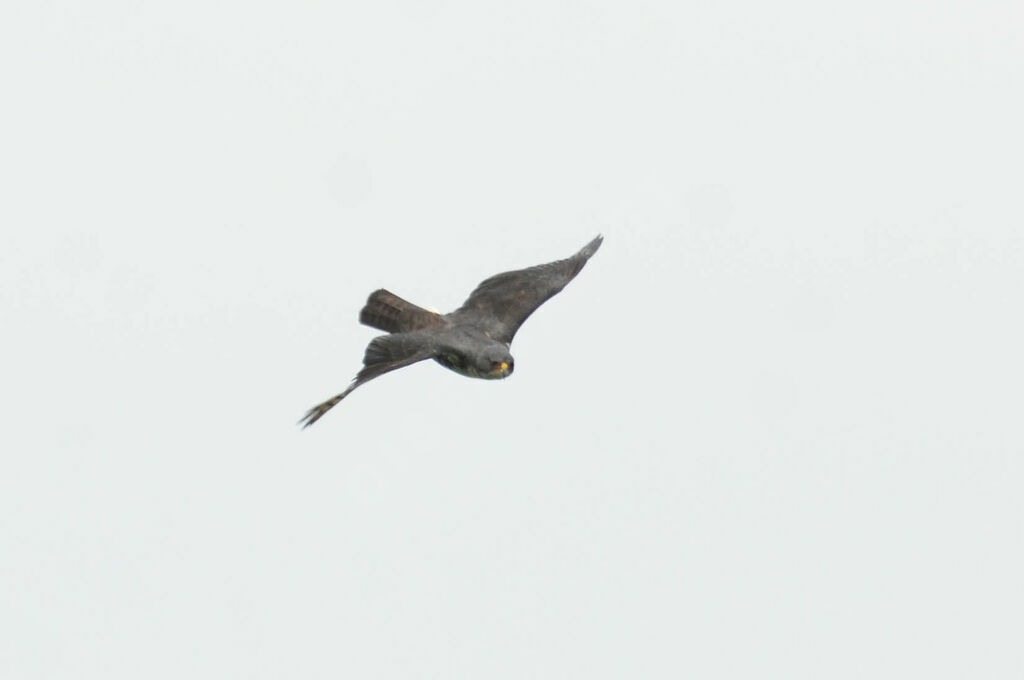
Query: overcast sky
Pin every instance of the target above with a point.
(772, 430)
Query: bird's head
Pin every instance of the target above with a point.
(495, 363)
(491, 363)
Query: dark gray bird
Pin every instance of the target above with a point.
(473, 340)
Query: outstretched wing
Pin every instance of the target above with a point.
(501, 304)
(383, 355)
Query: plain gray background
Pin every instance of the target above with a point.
(772, 430)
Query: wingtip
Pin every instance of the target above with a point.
(588, 250)
(308, 419)
(316, 413)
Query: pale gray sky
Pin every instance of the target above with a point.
(773, 430)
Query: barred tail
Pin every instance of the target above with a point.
(388, 312)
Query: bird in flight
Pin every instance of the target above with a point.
(473, 340)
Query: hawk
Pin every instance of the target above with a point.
(473, 340)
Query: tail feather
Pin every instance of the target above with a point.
(388, 312)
